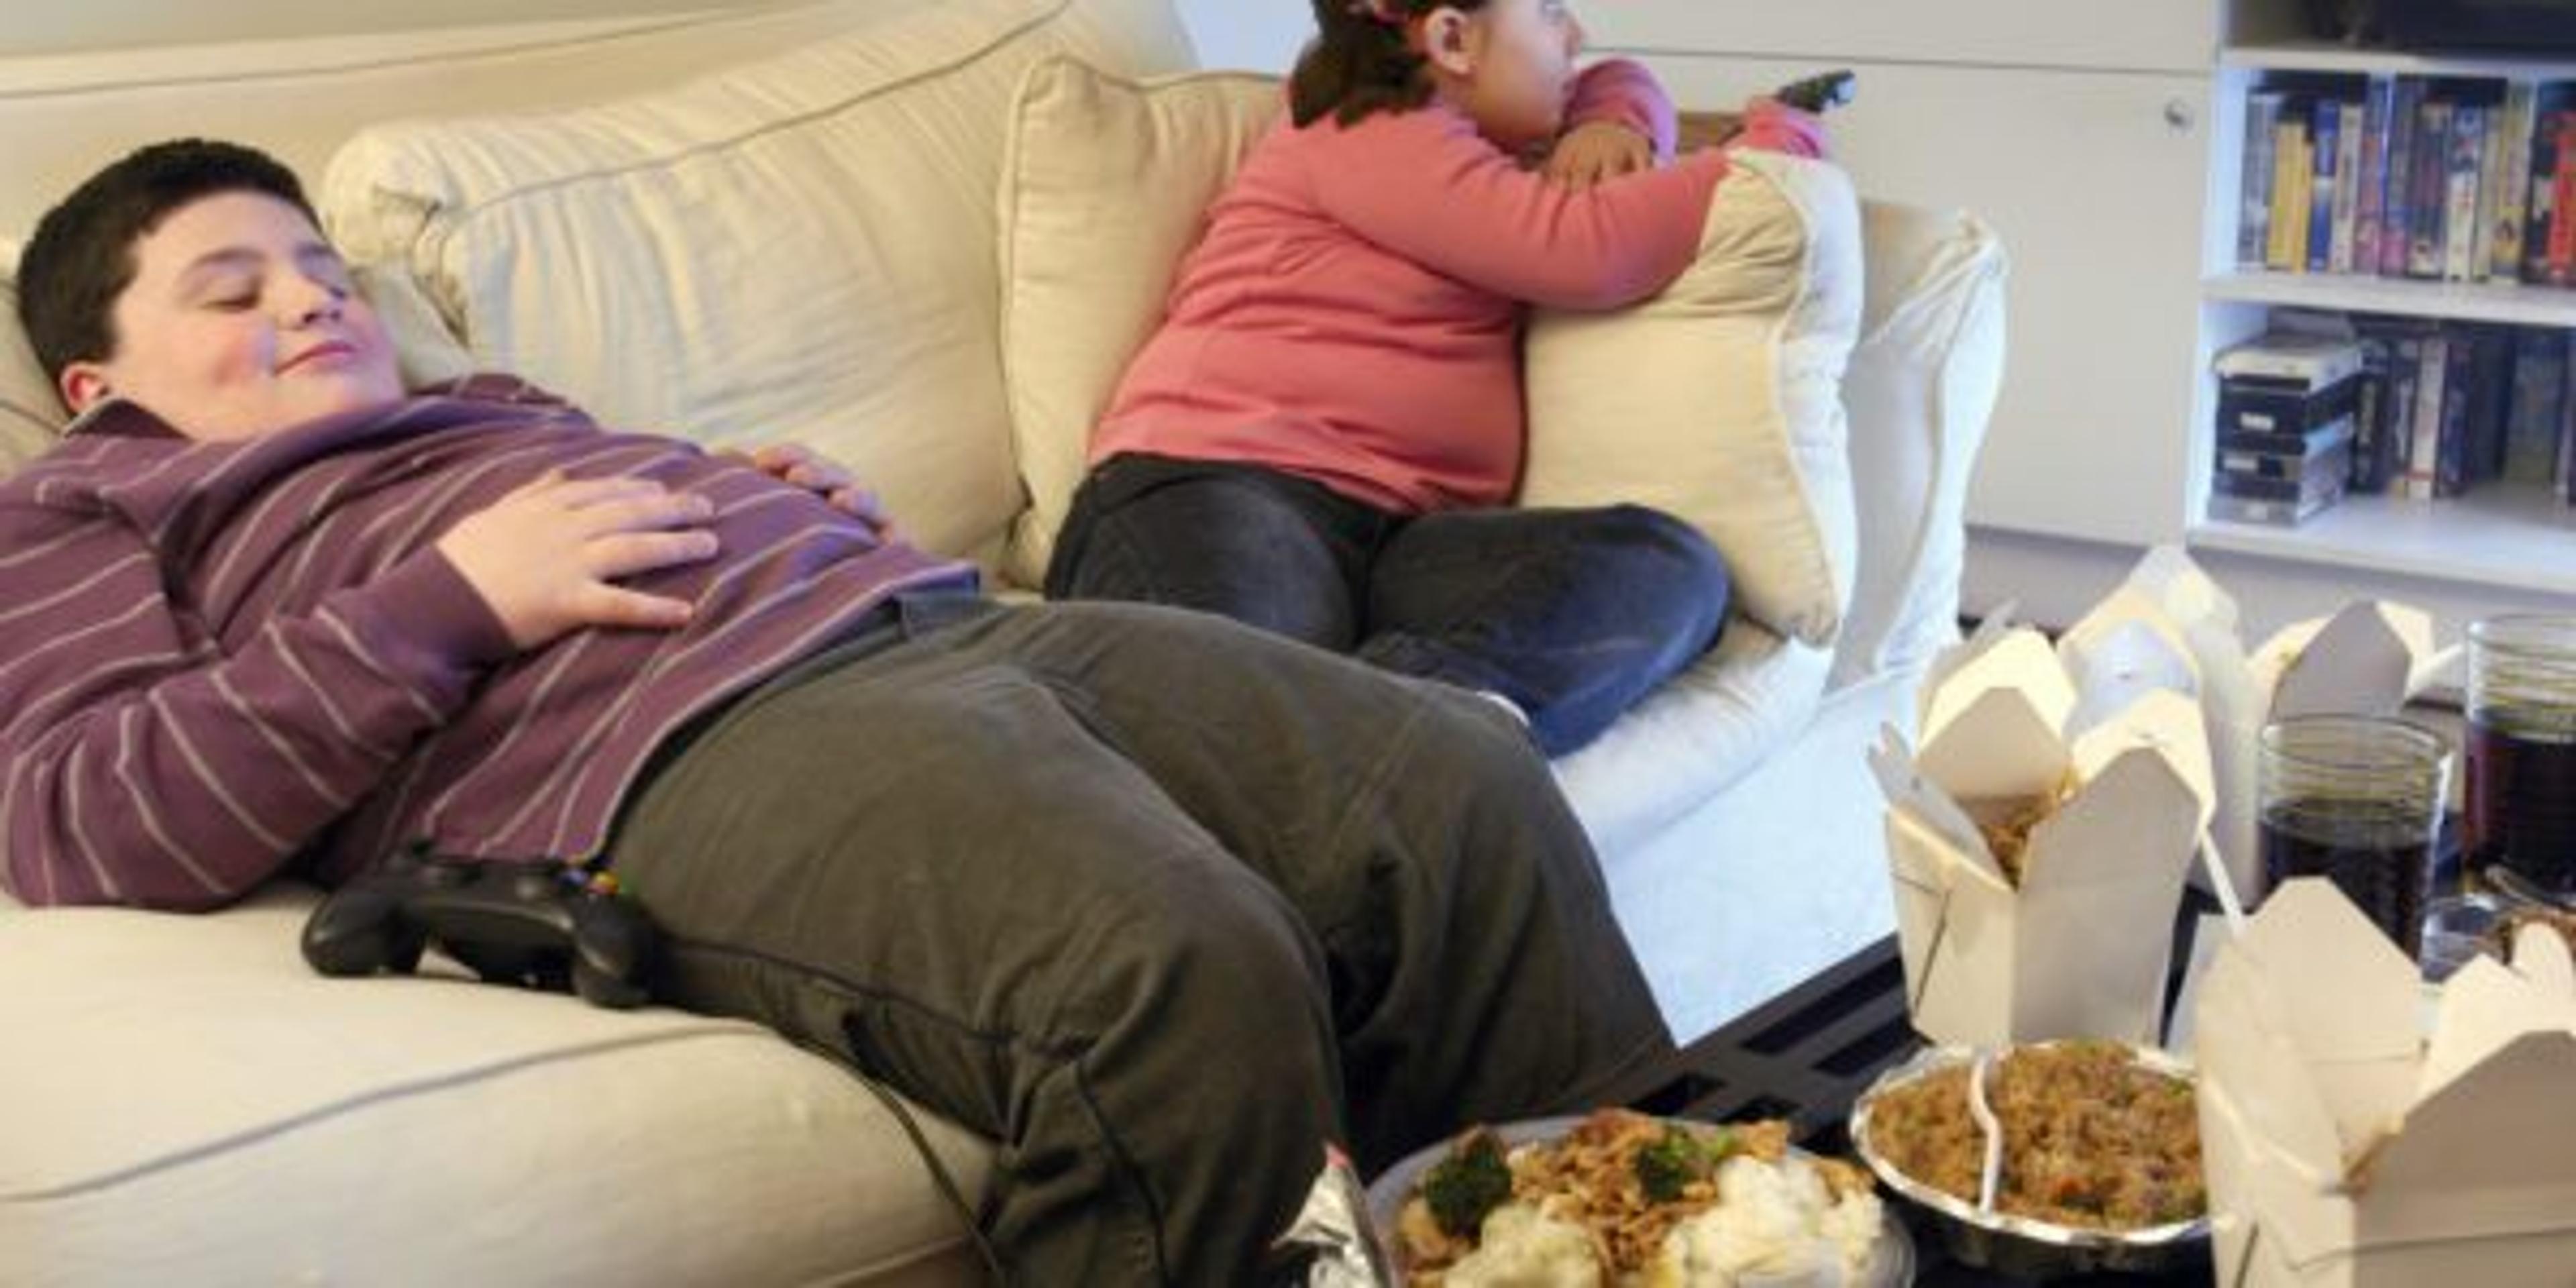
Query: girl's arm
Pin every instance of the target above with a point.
(1425, 185)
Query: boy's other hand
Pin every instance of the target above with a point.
(801, 466)
(1591, 153)
(545, 557)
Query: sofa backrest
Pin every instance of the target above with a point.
(797, 243)
(64, 115)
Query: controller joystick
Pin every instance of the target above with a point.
(538, 925)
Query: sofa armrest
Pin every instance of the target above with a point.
(1921, 385)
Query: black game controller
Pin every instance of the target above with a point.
(1816, 93)
(538, 925)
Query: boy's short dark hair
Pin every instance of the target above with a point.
(82, 256)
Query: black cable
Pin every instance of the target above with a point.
(939, 1173)
(939, 1176)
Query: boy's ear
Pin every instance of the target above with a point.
(82, 385)
(1448, 40)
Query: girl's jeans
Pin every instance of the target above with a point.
(1574, 615)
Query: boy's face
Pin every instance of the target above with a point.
(1518, 70)
(240, 321)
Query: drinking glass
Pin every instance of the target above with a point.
(2357, 800)
(2519, 831)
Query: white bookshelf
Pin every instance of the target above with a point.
(2502, 543)
(2505, 536)
(2467, 301)
(2322, 56)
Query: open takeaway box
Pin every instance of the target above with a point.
(2038, 843)
(2355, 1135)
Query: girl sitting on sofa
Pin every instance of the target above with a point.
(1324, 434)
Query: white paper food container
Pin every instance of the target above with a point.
(2349, 1144)
(2081, 947)
(2369, 658)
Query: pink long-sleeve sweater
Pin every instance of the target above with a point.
(1353, 313)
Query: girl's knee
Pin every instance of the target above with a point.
(1687, 556)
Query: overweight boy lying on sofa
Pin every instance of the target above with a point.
(1160, 903)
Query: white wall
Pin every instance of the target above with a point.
(1264, 35)
(1261, 34)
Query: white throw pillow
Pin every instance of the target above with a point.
(1922, 384)
(1719, 401)
(795, 248)
(1104, 188)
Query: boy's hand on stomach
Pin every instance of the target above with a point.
(800, 466)
(545, 558)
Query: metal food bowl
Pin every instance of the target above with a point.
(2017, 1245)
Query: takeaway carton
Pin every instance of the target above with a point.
(2072, 939)
(2369, 658)
(2354, 1135)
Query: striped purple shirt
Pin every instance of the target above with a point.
(217, 657)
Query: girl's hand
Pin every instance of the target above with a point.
(545, 558)
(800, 466)
(1588, 154)
(1773, 127)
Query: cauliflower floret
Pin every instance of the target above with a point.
(1774, 1220)
(1521, 1247)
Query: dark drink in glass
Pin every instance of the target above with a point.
(2356, 800)
(2381, 861)
(2519, 828)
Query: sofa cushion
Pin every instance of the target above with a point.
(1716, 401)
(799, 247)
(1085, 264)
(1719, 401)
(29, 414)
(1690, 739)
(204, 1109)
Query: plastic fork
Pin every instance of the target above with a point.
(1991, 1174)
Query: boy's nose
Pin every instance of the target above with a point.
(313, 302)
(1576, 38)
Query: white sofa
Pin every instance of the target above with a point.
(857, 230)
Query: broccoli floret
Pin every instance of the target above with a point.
(1677, 1158)
(1472, 1181)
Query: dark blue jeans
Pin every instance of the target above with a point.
(1572, 614)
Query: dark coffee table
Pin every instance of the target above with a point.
(1808, 1054)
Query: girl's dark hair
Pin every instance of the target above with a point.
(82, 256)
(1358, 63)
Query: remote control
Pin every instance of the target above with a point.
(1816, 93)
